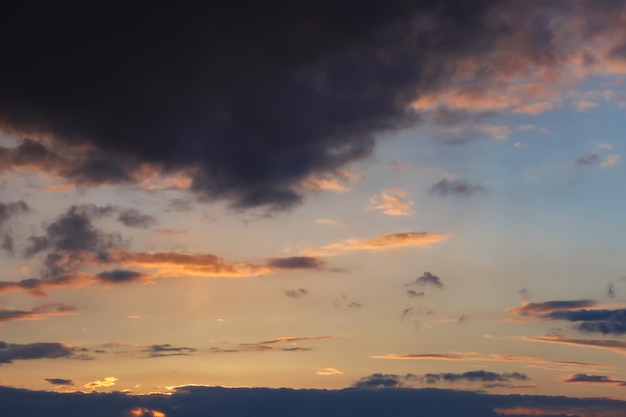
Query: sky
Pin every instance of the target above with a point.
(413, 198)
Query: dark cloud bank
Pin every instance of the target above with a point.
(248, 98)
(203, 401)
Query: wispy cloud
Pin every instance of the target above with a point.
(593, 379)
(392, 202)
(41, 312)
(10, 352)
(328, 372)
(531, 361)
(391, 241)
(63, 382)
(455, 186)
(616, 346)
(106, 382)
(411, 380)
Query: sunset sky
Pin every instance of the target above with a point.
(325, 195)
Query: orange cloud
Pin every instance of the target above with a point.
(391, 241)
(328, 372)
(471, 356)
(392, 202)
(176, 264)
(108, 381)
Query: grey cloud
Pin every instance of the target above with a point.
(525, 294)
(593, 321)
(414, 294)
(593, 379)
(7, 211)
(296, 262)
(411, 380)
(427, 279)
(300, 292)
(159, 351)
(455, 187)
(180, 205)
(59, 381)
(473, 376)
(119, 276)
(590, 158)
(135, 218)
(610, 290)
(343, 303)
(10, 352)
(37, 313)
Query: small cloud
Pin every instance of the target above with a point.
(59, 381)
(528, 308)
(428, 279)
(180, 205)
(392, 202)
(328, 372)
(298, 293)
(376, 381)
(119, 276)
(453, 186)
(414, 294)
(610, 161)
(41, 312)
(593, 379)
(463, 319)
(343, 303)
(534, 109)
(610, 292)
(589, 158)
(134, 218)
(108, 381)
(328, 222)
(160, 351)
(525, 294)
(395, 240)
(584, 105)
(296, 262)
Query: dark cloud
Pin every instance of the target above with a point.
(594, 321)
(610, 290)
(411, 380)
(473, 376)
(427, 279)
(180, 205)
(7, 211)
(343, 303)
(159, 351)
(525, 294)
(300, 292)
(296, 262)
(118, 276)
(463, 319)
(135, 218)
(252, 99)
(264, 402)
(455, 187)
(414, 294)
(38, 313)
(382, 381)
(59, 381)
(530, 309)
(71, 238)
(590, 158)
(10, 352)
(593, 379)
